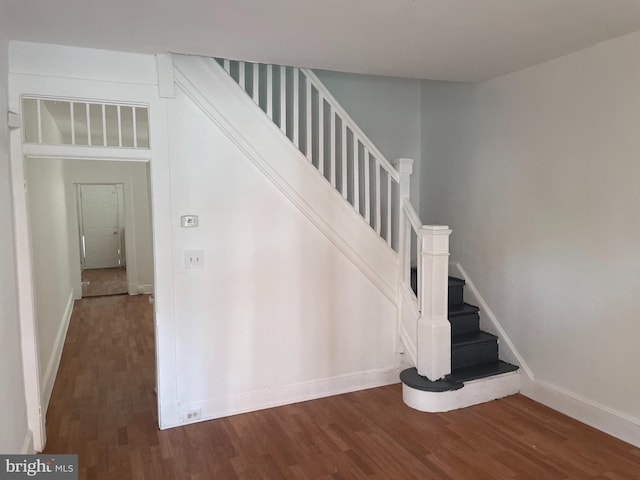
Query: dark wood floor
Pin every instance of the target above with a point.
(103, 408)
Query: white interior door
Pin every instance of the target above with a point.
(100, 226)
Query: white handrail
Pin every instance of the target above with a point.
(353, 126)
(411, 214)
(309, 116)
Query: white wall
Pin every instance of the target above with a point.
(277, 310)
(51, 257)
(388, 110)
(13, 412)
(537, 174)
(134, 178)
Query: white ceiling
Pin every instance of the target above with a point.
(460, 40)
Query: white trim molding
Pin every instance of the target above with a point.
(598, 416)
(288, 394)
(27, 445)
(56, 354)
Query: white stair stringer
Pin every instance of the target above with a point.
(474, 392)
(237, 115)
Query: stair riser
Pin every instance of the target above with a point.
(474, 354)
(456, 294)
(465, 324)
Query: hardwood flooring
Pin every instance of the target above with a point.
(104, 281)
(103, 408)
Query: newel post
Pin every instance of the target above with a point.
(434, 329)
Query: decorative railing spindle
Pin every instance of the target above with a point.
(343, 157)
(283, 99)
(309, 138)
(296, 109)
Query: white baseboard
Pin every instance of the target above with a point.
(288, 394)
(27, 445)
(473, 393)
(140, 288)
(600, 417)
(145, 289)
(54, 361)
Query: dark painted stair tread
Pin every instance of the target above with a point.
(453, 281)
(462, 309)
(411, 378)
(472, 338)
(481, 371)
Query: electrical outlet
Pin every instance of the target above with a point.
(193, 415)
(194, 258)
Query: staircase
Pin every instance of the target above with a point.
(474, 353)
(367, 214)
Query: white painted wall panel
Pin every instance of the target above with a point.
(82, 63)
(276, 303)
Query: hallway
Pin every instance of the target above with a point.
(104, 409)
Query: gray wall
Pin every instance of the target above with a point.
(537, 174)
(387, 110)
(13, 416)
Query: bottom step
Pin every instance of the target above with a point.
(481, 371)
(473, 392)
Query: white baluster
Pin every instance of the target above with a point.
(320, 133)
(283, 99)
(356, 173)
(296, 108)
(270, 91)
(104, 125)
(367, 187)
(377, 200)
(332, 143)
(389, 206)
(344, 158)
(227, 65)
(256, 83)
(241, 76)
(89, 123)
(119, 126)
(135, 128)
(72, 120)
(39, 114)
(309, 144)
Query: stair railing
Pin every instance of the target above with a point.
(297, 102)
(433, 330)
(308, 114)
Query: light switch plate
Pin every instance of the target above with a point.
(188, 221)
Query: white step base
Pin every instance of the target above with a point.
(474, 392)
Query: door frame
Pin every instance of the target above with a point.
(81, 84)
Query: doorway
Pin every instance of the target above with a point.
(102, 239)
